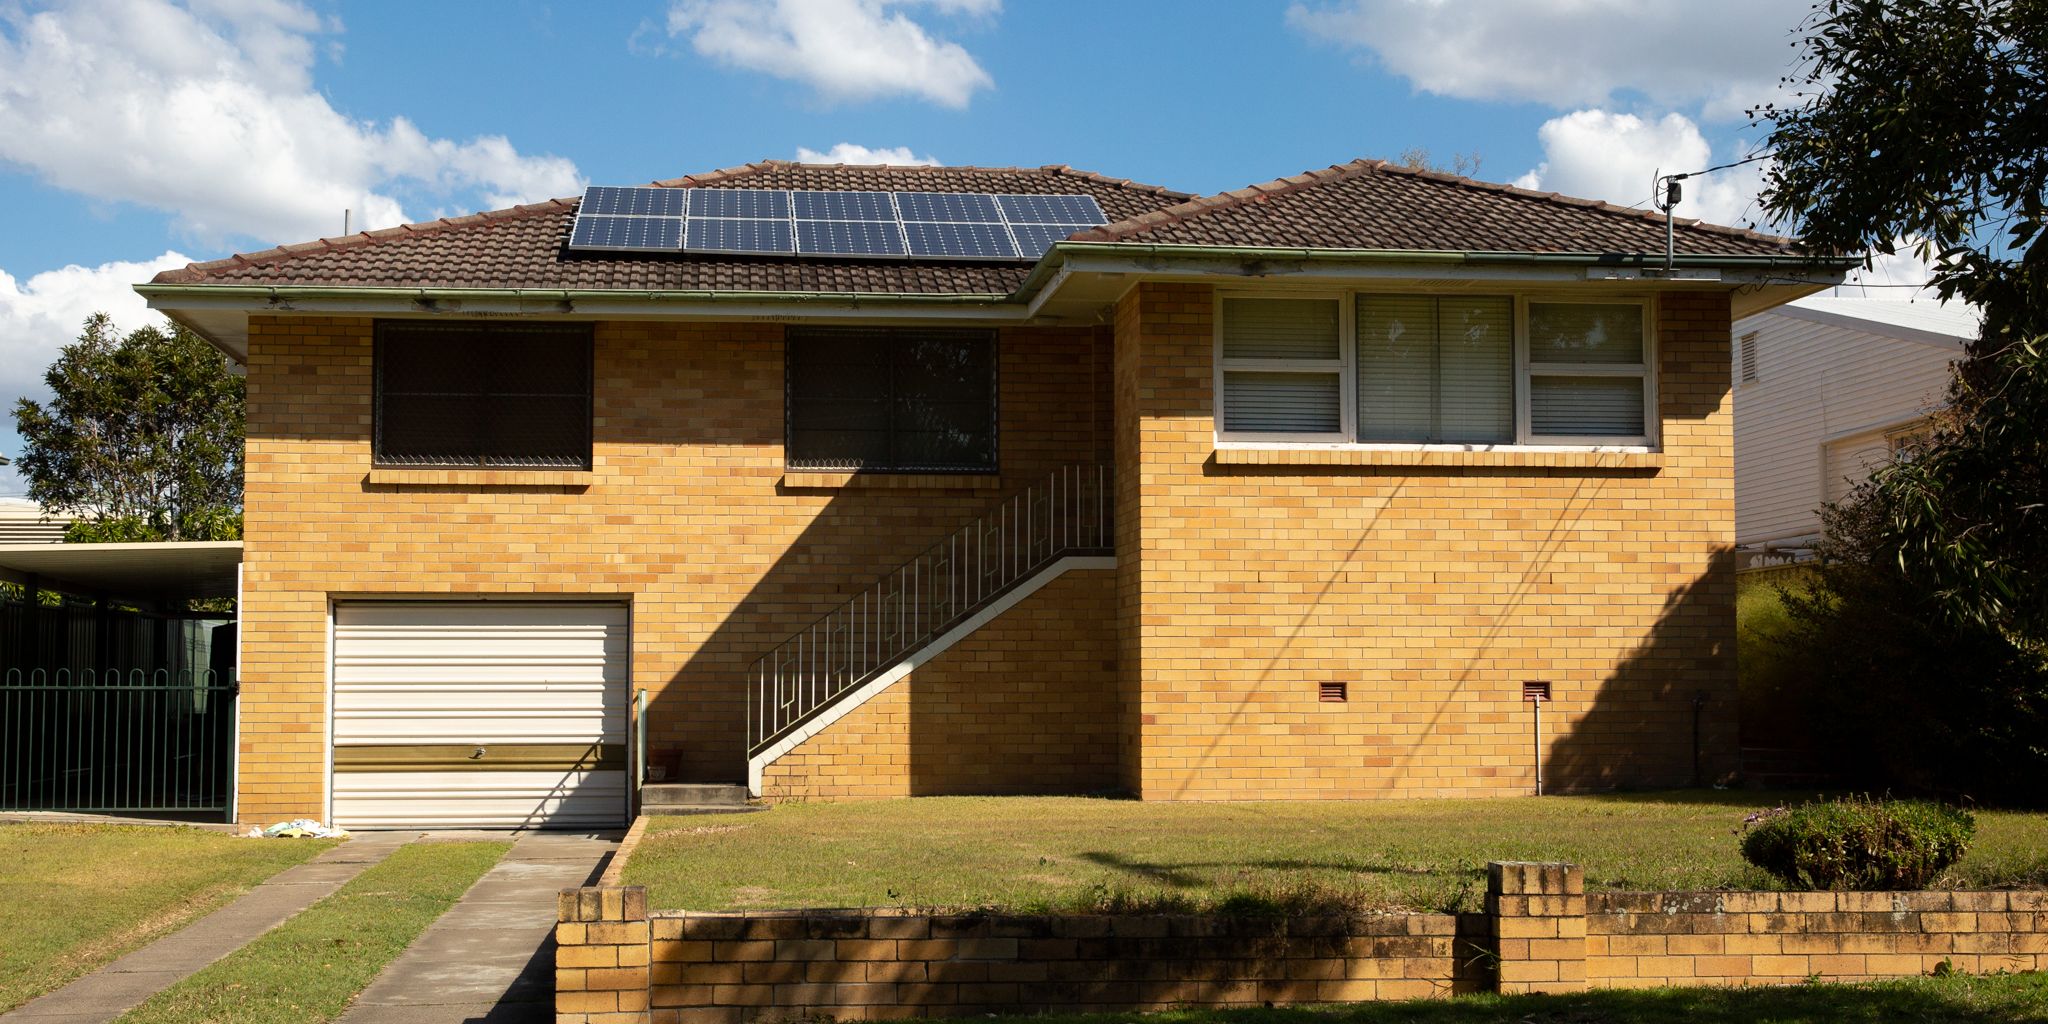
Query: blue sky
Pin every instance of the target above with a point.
(138, 134)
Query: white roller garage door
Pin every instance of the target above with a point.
(479, 714)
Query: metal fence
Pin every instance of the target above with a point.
(1068, 513)
(114, 710)
(116, 742)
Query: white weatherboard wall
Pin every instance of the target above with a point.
(1834, 376)
(479, 676)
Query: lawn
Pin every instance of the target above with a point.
(307, 969)
(74, 897)
(1999, 999)
(1038, 854)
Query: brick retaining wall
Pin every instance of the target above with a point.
(619, 963)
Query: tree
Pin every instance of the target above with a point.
(142, 439)
(1927, 629)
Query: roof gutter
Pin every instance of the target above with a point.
(279, 295)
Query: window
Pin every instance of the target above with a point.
(901, 400)
(1433, 369)
(1588, 371)
(490, 395)
(1283, 367)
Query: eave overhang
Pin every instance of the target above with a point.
(1076, 282)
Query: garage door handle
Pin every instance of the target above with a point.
(478, 755)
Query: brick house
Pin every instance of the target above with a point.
(1287, 493)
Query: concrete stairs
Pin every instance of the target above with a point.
(696, 798)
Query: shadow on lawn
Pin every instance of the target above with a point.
(1963, 1000)
(1182, 874)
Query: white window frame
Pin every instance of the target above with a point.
(1344, 366)
(1528, 369)
(1525, 440)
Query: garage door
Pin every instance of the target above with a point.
(479, 714)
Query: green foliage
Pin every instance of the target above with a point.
(1925, 637)
(142, 439)
(1858, 844)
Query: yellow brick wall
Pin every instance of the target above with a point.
(1026, 704)
(686, 514)
(1433, 592)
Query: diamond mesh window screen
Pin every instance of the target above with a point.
(891, 399)
(468, 395)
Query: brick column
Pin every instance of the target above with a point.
(1539, 925)
(601, 956)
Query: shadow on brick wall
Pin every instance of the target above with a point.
(1667, 714)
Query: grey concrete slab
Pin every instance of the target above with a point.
(122, 985)
(491, 958)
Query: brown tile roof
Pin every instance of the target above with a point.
(523, 247)
(1371, 204)
(1366, 204)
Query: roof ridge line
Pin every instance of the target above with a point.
(1315, 177)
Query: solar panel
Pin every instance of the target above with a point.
(1051, 210)
(739, 202)
(849, 238)
(640, 202)
(629, 234)
(777, 222)
(949, 207)
(1034, 239)
(843, 206)
(963, 241)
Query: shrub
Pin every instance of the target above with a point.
(1858, 843)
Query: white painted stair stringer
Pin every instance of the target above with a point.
(939, 645)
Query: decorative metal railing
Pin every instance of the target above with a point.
(116, 741)
(1067, 514)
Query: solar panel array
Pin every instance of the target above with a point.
(777, 222)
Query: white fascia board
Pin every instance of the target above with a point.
(945, 641)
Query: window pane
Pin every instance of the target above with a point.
(528, 430)
(1280, 329)
(1586, 406)
(891, 399)
(430, 430)
(1298, 403)
(1476, 361)
(1585, 332)
(1396, 367)
(467, 395)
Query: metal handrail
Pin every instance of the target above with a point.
(1068, 513)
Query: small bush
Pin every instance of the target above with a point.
(1858, 843)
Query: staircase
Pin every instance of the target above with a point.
(924, 606)
(695, 798)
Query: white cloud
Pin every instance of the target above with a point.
(850, 153)
(1898, 276)
(1598, 154)
(844, 49)
(209, 111)
(1564, 53)
(44, 313)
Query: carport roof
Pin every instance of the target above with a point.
(161, 571)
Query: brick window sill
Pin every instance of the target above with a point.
(1516, 458)
(838, 479)
(483, 477)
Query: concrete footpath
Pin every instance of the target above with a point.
(122, 985)
(491, 958)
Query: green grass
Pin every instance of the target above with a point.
(75, 897)
(1038, 854)
(1767, 678)
(307, 969)
(1997, 999)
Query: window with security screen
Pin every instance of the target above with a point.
(508, 396)
(891, 400)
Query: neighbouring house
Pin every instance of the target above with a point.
(1826, 388)
(835, 482)
(22, 521)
